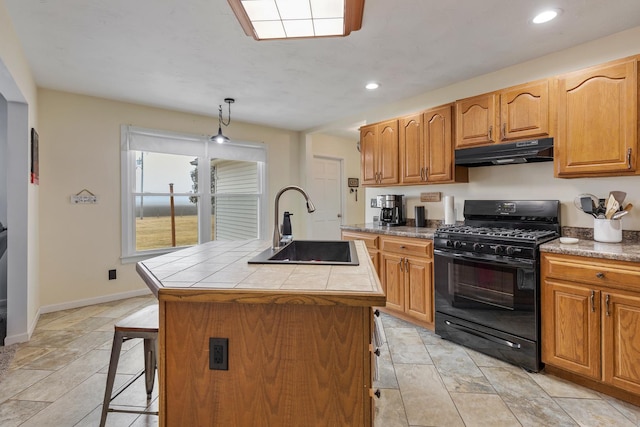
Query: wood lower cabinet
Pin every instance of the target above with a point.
(598, 121)
(371, 241)
(407, 277)
(379, 153)
(405, 269)
(591, 321)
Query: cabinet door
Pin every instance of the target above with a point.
(524, 111)
(621, 340)
(598, 120)
(571, 328)
(476, 120)
(412, 152)
(419, 289)
(369, 154)
(438, 142)
(393, 268)
(388, 143)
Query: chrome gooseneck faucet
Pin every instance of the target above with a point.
(277, 236)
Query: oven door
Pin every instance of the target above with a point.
(500, 294)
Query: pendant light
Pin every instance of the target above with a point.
(220, 138)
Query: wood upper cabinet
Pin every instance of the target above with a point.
(510, 114)
(598, 121)
(413, 153)
(591, 319)
(525, 111)
(379, 153)
(477, 120)
(426, 148)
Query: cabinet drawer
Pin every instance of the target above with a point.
(593, 271)
(417, 247)
(370, 240)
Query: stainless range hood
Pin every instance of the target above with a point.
(537, 150)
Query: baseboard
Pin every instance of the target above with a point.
(91, 301)
(13, 339)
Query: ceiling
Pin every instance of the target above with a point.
(188, 55)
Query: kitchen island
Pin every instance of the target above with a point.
(299, 338)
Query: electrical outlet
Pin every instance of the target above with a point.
(112, 274)
(374, 203)
(219, 354)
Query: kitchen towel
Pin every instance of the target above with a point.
(449, 213)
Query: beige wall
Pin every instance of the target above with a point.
(531, 181)
(80, 148)
(345, 149)
(18, 85)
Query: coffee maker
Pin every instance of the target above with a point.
(392, 212)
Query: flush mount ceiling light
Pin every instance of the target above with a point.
(546, 16)
(372, 86)
(282, 19)
(220, 138)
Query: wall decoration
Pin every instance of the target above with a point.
(35, 163)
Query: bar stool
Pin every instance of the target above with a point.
(141, 324)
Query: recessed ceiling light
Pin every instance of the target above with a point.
(546, 16)
(372, 86)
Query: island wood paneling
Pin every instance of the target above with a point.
(289, 364)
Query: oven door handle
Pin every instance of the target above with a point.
(517, 262)
(482, 335)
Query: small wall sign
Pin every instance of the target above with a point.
(353, 182)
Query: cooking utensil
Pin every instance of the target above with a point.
(612, 207)
(628, 207)
(587, 205)
(619, 196)
(619, 214)
(578, 203)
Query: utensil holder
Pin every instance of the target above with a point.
(607, 230)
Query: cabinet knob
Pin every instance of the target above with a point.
(600, 275)
(377, 352)
(377, 393)
(376, 313)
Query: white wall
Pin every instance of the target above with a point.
(530, 181)
(80, 148)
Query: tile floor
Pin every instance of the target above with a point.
(57, 379)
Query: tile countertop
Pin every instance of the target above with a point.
(590, 248)
(401, 231)
(218, 271)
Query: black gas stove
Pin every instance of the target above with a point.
(487, 286)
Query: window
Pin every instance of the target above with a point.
(169, 201)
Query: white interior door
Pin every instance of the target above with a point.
(326, 193)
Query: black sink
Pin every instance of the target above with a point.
(329, 252)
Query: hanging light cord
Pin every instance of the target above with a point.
(229, 101)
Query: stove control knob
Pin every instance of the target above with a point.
(449, 243)
(457, 244)
(510, 250)
(498, 249)
(477, 246)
